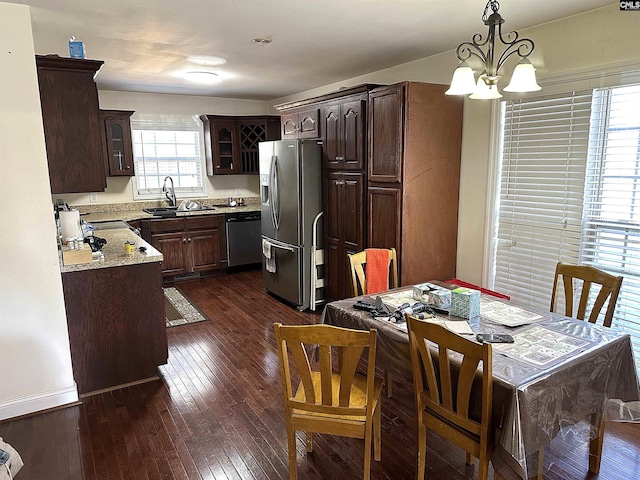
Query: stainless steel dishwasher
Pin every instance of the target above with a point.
(243, 238)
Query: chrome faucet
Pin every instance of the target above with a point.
(169, 192)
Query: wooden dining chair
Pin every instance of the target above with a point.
(609, 288)
(443, 392)
(358, 261)
(332, 399)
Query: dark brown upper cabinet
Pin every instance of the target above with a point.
(117, 146)
(344, 133)
(71, 120)
(386, 127)
(300, 123)
(231, 143)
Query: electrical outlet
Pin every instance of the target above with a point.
(93, 198)
(237, 191)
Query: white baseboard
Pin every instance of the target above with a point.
(37, 403)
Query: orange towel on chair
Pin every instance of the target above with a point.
(377, 270)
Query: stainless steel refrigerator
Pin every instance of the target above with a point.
(291, 198)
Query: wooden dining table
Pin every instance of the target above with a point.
(561, 376)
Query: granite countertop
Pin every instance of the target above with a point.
(114, 252)
(133, 211)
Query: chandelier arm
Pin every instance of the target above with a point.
(522, 46)
(468, 49)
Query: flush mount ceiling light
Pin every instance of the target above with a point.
(207, 60)
(524, 76)
(262, 41)
(205, 78)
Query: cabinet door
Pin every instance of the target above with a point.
(352, 212)
(71, 120)
(353, 134)
(225, 148)
(384, 219)
(205, 250)
(334, 251)
(174, 249)
(386, 127)
(344, 229)
(289, 125)
(331, 152)
(118, 145)
(308, 123)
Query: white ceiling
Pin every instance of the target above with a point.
(146, 43)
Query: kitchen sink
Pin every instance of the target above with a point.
(172, 211)
(162, 211)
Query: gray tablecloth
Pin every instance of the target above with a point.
(531, 404)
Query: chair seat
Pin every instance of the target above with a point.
(357, 398)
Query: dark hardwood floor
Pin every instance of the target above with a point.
(217, 414)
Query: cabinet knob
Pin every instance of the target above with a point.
(128, 167)
(189, 239)
(184, 240)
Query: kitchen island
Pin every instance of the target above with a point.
(116, 314)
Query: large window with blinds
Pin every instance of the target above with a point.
(569, 191)
(167, 147)
(611, 226)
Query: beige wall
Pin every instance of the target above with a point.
(575, 52)
(120, 189)
(34, 346)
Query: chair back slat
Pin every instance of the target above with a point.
(350, 360)
(466, 375)
(301, 361)
(609, 290)
(326, 374)
(446, 391)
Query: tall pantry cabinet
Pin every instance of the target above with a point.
(390, 176)
(415, 135)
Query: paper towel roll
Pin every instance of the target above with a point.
(70, 224)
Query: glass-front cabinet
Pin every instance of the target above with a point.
(226, 148)
(117, 146)
(231, 142)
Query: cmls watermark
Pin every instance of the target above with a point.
(629, 5)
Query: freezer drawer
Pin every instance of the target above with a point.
(286, 281)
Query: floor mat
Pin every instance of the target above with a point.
(179, 311)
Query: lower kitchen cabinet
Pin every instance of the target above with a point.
(189, 244)
(117, 326)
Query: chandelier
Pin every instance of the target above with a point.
(524, 76)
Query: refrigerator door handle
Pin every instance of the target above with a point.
(275, 194)
(270, 195)
(282, 247)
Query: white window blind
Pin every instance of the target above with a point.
(167, 146)
(542, 172)
(611, 224)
